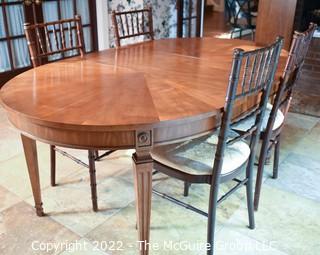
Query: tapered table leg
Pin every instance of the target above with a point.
(142, 167)
(30, 152)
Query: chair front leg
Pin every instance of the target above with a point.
(263, 157)
(276, 158)
(93, 184)
(213, 203)
(186, 189)
(53, 165)
(249, 191)
(96, 154)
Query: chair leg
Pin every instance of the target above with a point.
(96, 154)
(93, 184)
(53, 165)
(213, 203)
(249, 189)
(186, 189)
(262, 160)
(267, 160)
(276, 158)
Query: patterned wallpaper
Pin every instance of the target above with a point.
(164, 15)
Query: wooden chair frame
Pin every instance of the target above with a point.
(40, 48)
(255, 82)
(282, 99)
(129, 24)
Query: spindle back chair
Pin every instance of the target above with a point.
(281, 104)
(55, 39)
(252, 75)
(132, 24)
(52, 41)
(298, 52)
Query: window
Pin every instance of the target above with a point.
(14, 13)
(189, 18)
(13, 46)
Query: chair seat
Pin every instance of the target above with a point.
(246, 124)
(196, 156)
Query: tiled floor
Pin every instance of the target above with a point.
(288, 221)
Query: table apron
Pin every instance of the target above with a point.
(113, 139)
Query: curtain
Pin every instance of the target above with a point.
(66, 8)
(4, 57)
(4, 54)
(50, 13)
(16, 19)
(2, 33)
(20, 53)
(83, 10)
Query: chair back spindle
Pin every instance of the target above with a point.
(132, 24)
(62, 37)
(251, 78)
(283, 96)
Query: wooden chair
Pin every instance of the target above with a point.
(240, 16)
(132, 24)
(54, 39)
(276, 114)
(216, 159)
(49, 42)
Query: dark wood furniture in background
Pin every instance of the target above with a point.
(62, 38)
(275, 17)
(127, 101)
(132, 24)
(240, 16)
(34, 13)
(225, 156)
(282, 99)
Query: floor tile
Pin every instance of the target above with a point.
(84, 247)
(310, 144)
(22, 232)
(169, 224)
(118, 163)
(296, 127)
(14, 174)
(3, 116)
(289, 223)
(199, 197)
(299, 174)
(10, 144)
(233, 243)
(301, 121)
(7, 199)
(70, 203)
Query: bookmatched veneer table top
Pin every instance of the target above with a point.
(137, 96)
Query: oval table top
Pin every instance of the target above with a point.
(151, 85)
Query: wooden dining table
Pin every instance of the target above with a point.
(133, 97)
